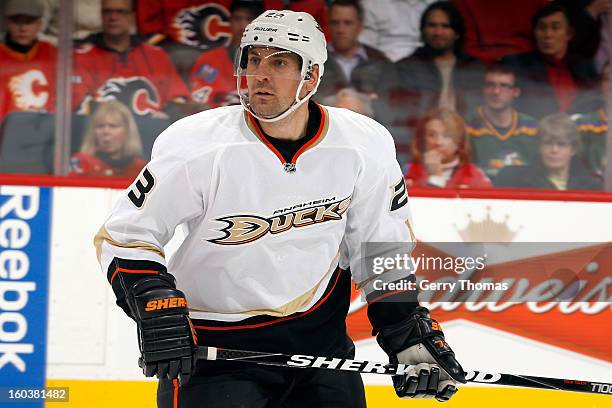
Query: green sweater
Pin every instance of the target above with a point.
(493, 150)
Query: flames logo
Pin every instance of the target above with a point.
(30, 90)
(138, 93)
(203, 27)
(242, 229)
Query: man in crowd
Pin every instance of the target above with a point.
(554, 78)
(212, 80)
(499, 135)
(350, 63)
(114, 64)
(27, 65)
(439, 74)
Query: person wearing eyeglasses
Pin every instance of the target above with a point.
(116, 65)
(558, 166)
(500, 135)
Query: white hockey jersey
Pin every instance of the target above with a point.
(264, 236)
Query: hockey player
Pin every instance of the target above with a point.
(277, 196)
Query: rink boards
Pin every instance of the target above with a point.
(91, 345)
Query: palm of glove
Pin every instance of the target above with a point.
(419, 342)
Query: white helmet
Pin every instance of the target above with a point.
(293, 31)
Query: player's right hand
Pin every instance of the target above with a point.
(166, 336)
(419, 342)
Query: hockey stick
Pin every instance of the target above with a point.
(373, 367)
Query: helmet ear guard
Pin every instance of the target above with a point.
(297, 32)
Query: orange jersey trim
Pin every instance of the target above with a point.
(318, 137)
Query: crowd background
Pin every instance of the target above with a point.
(476, 93)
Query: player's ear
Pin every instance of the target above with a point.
(312, 78)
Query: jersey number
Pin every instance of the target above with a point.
(400, 196)
(137, 195)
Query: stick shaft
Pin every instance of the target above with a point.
(373, 367)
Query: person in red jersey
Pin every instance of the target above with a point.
(212, 79)
(111, 146)
(440, 154)
(27, 73)
(114, 65)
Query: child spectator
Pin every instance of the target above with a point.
(558, 167)
(27, 65)
(440, 154)
(111, 146)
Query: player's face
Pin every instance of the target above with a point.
(273, 76)
(239, 19)
(345, 26)
(499, 90)
(553, 34)
(439, 139)
(556, 153)
(110, 133)
(23, 29)
(117, 17)
(438, 33)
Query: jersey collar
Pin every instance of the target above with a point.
(255, 127)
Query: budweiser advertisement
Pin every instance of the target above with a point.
(513, 288)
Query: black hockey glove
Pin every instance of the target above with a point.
(166, 336)
(419, 341)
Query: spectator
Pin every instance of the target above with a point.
(392, 26)
(27, 73)
(353, 100)
(499, 135)
(350, 63)
(558, 167)
(593, 128)
(439, 74)
(212, 78)
(114, 64)
(553, 77)
(440, 154)
(111, 146)
(495, 29)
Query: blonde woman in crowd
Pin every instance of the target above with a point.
(111, 146)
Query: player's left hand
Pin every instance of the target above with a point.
(419, 341)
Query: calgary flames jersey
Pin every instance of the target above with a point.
(263, 236)
(27, 80)
(143, 78)
(212, 79)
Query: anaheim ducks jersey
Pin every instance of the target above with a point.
(263, 236)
